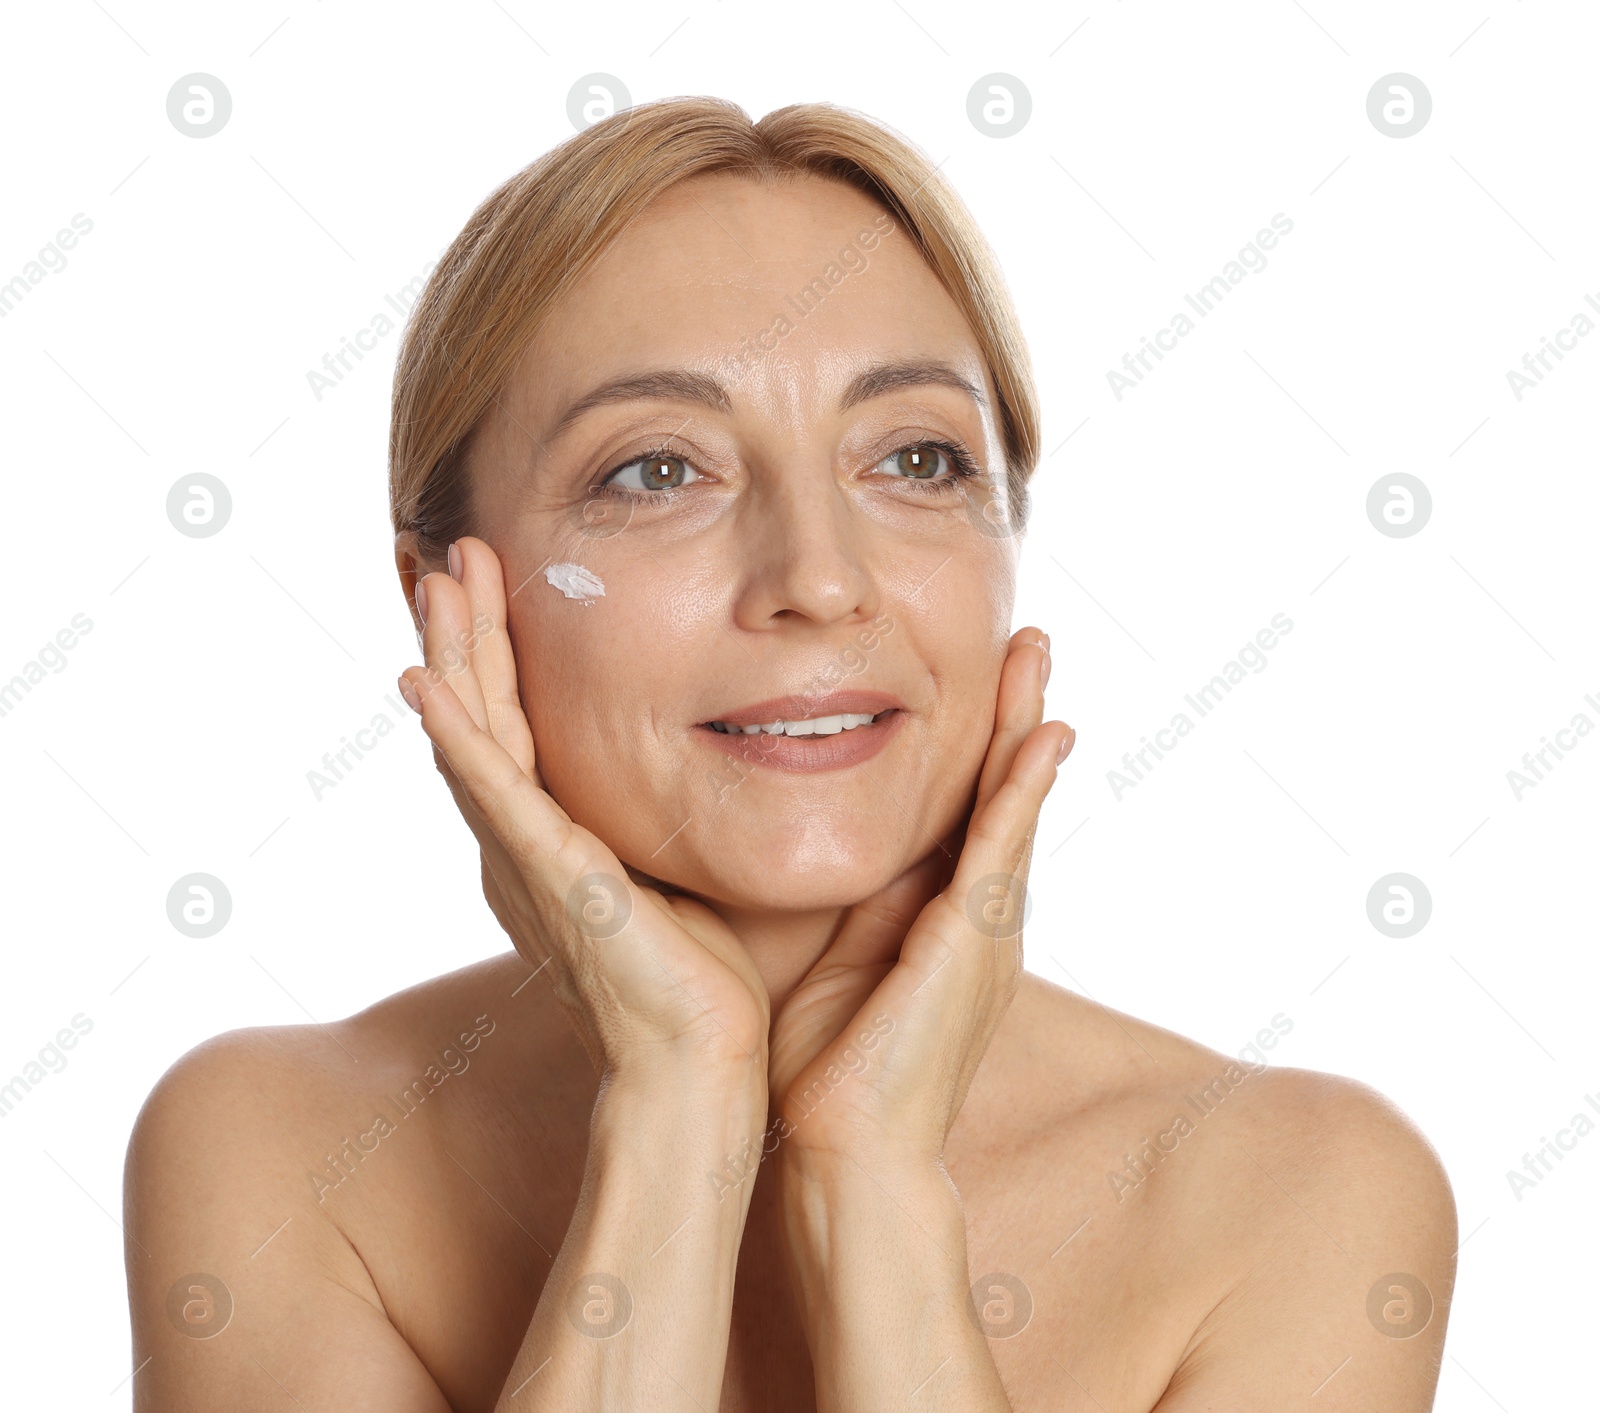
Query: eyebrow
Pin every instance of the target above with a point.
(686, 385)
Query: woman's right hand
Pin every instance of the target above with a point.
(669, 983)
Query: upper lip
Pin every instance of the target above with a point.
(802, 707)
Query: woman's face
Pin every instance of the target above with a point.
(793, 547)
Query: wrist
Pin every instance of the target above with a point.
(835, 1173)
(832, 1200)
(862, 1241)
(682, 1081)
(688, 1133)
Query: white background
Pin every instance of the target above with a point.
(1170, 526)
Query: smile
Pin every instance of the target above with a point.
(807, 733)
(812, 726)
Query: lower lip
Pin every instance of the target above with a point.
(806, 754)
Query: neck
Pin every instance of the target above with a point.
(783, 945)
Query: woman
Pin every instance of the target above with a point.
(709, 447)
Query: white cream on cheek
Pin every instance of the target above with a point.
(575, 582)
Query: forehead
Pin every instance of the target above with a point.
(803, 281)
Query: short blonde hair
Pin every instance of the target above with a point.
(537, 232)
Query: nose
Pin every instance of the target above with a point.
(808, 550)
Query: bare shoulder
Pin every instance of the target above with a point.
(264, 1073)
(1344, 1139)
(1298, 1226)
(231, 1104)
(1346, 1253)
(213, 1147)
(1326, 1130)
(223, 1222)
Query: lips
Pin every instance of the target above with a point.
(805, 707)
(805, 755)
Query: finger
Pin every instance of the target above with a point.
(873, 930)
(506, 891)
(448, 641)
(494, 854)
(1019, 708)
(478, 570)
(518, 812)
(520, 886)
(986, 895)
(529, 844)
(875, 927)
(849, 972)
(963, 960)
(1000, 835)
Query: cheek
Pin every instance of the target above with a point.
(962, 636)
(600, 683)
(570, 689)
(963, 630)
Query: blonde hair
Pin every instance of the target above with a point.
(538, 232)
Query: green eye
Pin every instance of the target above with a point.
(654, 473)
(921, 463)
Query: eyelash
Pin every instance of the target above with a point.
(963, 466)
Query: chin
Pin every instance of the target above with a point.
(791, 878)
(786, 895)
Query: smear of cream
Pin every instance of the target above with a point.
(575, 582)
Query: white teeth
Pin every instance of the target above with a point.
(813, 726)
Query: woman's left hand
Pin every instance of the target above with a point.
(872, 1055)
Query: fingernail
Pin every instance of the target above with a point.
(1046, 642)
(1066, 745)
(453, 558)
(410, 694)
(1044, 670)
(422, 601)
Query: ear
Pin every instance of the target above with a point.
(409, 561)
